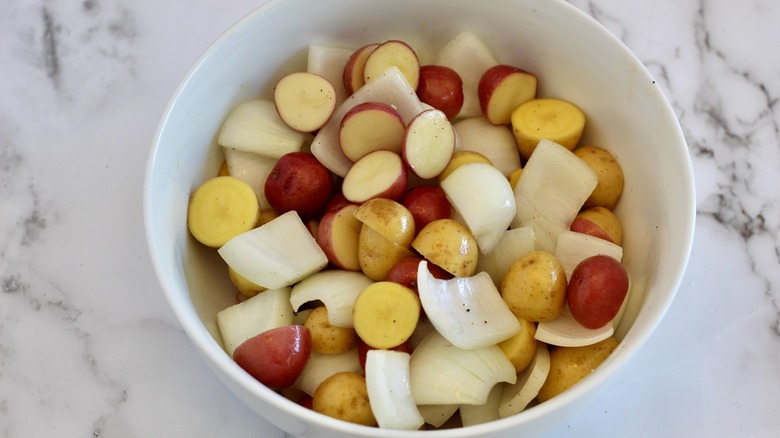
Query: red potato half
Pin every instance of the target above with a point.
(429, 143)
(276, 357)
(338, 235)
(596, 291)
(586, 226)
(369, 127)
(380, 174)
(353, 69)
(299, 182)
(503, 88)
(442, 88)
(427, 203)
(304, 100)
(393, 53)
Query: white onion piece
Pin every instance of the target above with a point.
(575, 247)
(471, 415)
(251, 168)
(391, 88)
(329, 63)
(443, 374)
(496, 142)
(337, 289)
(389, 393)
(467, 311)
(565, 331)
(249, 318)
(255, 126)
(516, 397)
(321, 366)
(554, 185)
(469, 57)
(437, 415)
(514, 244)
(483, 197)
(276, 254)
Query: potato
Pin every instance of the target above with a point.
(569, 365)
(450, 245)
(521, 348)
(244, 286)
(596, 290)
(389, 218)
(298, 181)
(385, 314)
(325, 338)
(604, 219)
(534, 287)
(344, 396)
(275, 357)
(610, 176)
(377, 254)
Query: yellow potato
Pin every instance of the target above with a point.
(605, 219)
(266, 216)
(460, 158)
(534, 287)
(223, 169)
(388, 218)
(344, 396)
(610, 176)
(220, 209)
(552, 119)
(521, 348)
(385, 314)
(325, 338)
(244, 286)
(569, 365)
(514, 177)
(377, 254)
(450, 245)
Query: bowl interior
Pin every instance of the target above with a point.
(574, 57)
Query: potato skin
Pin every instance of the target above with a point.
(344, 396)
(378, 254)
(325, 338)
(569, 365)
(449, 244)
(610, 176)
(534, 287)
(521, 348)
(605, 219)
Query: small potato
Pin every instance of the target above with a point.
(344, 396)
(385, 314)
(606, 220)
(244, 286)
(596, 291)
(389, 218)
(569, 365)
(377, 254)
(521, 348)
(610, 176)
(534, 287)
(325, 338)
(450, 245)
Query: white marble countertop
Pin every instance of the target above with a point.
(90, 348)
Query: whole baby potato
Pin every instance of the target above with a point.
(534, 287)
(569, 365)
(609, 173)
(449, 244)
(325, 338)
(344, 396)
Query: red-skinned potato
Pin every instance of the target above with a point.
(429, 142)
(427, 203)
(442, 88)
(304, 101)
(604, 219)
(586, 226)
(405, 272)
(276, 357)
(368, 127)
(338, 235)
(353, 69)
(501, 89)
(393, 53)
(379, 174)
(596, 290)
(299, 182)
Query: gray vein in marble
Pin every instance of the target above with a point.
(51, 57)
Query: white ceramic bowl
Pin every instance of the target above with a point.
(575, 58)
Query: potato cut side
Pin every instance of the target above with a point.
(556, 120)
(428, 144)
(385, 314)
(220, 209)
(304, 100)
(329, 62)
(393, 53)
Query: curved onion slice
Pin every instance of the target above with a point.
(484, 199)
(575, 247)
(565, 331)
(468, 311)
(516, 397)
(496, 142)
(441, 373)
(514, 244)
(249, 318)
(387, 381)
(337, 289)
(437, 415)
(321, 366)
(478, 414)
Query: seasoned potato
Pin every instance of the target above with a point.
(388, 218)
(569, 365)
(449, 244)
(609, 173)
(377, 254)
(344, 396)
(534, 287)
(520, 348)
(325, 338)
(603, 218)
